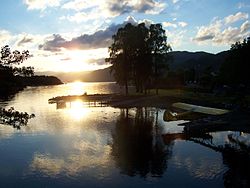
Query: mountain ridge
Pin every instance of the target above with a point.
(180, 60)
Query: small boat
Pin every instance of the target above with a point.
(242, 139)
(188, 115)
(200, 109)
(192, 112)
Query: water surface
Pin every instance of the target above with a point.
(78, 146)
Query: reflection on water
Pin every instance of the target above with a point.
(74, 145)
(137, 147)
(76, 110)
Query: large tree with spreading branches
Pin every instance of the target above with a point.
(138, 55)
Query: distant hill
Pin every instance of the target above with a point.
(180, 60)
(101, 75)
(38, 80)
(10, 84)
(197, 60)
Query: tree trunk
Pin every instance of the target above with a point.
(156, 90)
(156, 76)
(126, 88)
(156, 83)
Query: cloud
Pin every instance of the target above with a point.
(92, 15)
(169, 24)
(99, 39)
(243, 5)
(236, 17)
(90, 151)
(174, 25)
(205, 37)
(5, 37)
(245, 26)
(94, 9)
(182, 24)
(147, 22)
(175, 1)
(100, 61)
(41, 4)
(208, 32)
(221, 32)
(176, 39)
(130, 19)
(53, 43)
(80, 4)
(24, 40)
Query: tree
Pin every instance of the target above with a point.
(121, 55)
(9, 81)
(159, 50)
(142, 66)
(9, 58)
(23, 71)
(236, 68)
(137, 54)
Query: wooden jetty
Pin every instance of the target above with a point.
(94, 100)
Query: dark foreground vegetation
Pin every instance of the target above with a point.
(140, 56)
(14, 84)
(14, 78)
(14, 118)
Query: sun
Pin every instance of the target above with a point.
(76, 88)
(82, 60)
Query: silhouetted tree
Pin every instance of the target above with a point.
(142, 65)
(137, 54)
(236, 68)
(14, 118)
(121, 55)
(10, 83)
(9, 58)
(159, 49)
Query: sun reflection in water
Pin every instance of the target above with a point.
(77, 110)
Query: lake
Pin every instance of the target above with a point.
(80, 146)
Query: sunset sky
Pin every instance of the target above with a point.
(74, 35)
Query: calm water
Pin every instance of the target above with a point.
(77, 146)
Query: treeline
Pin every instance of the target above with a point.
(13, 78)
(236, 69)
(13, 84)
(38, 80)
(230, 69)
(141, 56)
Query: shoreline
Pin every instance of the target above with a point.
(151, 100)
(237, 119)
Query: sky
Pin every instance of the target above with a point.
(74, 35)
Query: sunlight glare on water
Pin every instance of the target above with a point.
(76, 110)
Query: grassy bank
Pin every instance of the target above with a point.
(168, 96)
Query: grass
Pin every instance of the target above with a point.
(191, 96)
